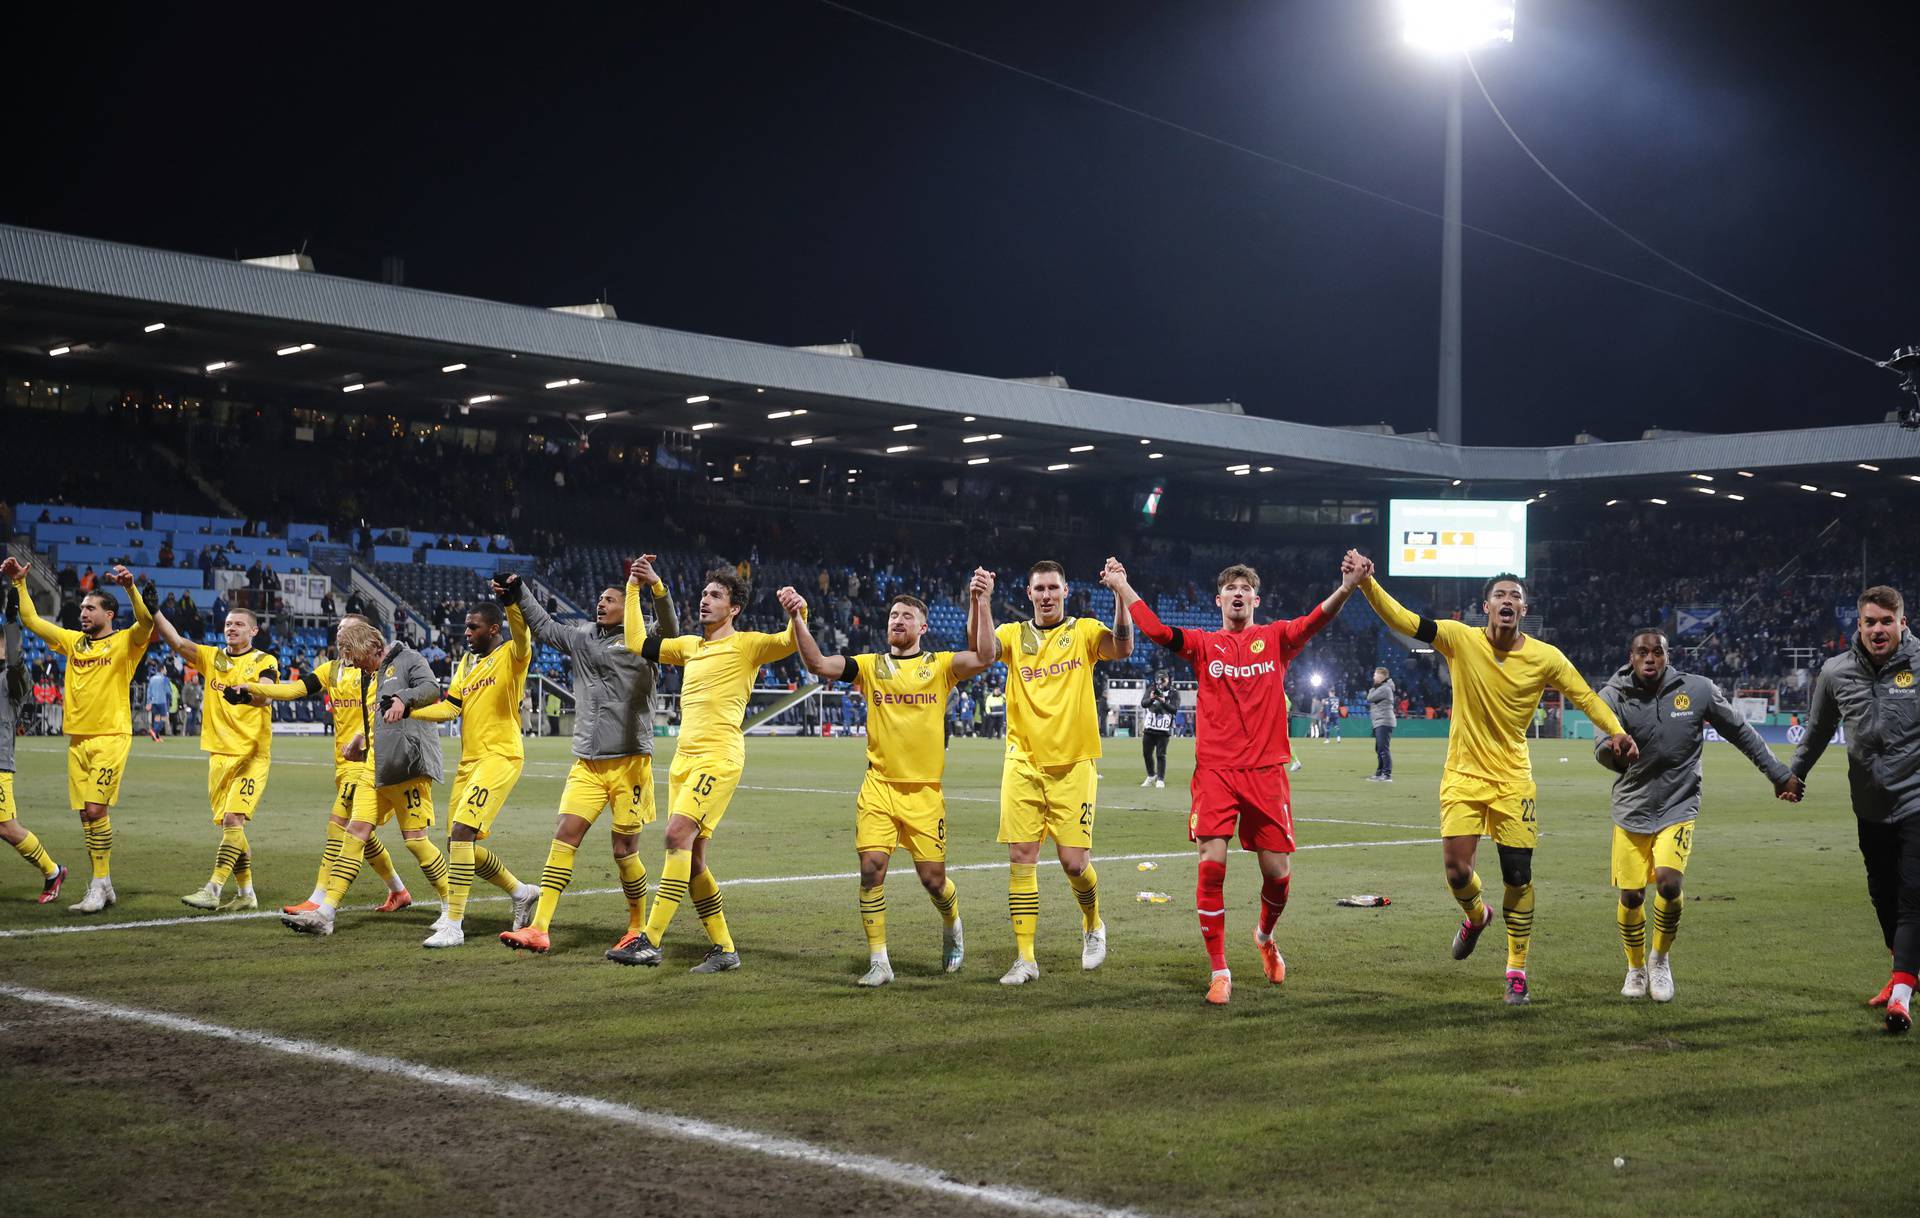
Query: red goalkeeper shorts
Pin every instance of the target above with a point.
(1258, 800)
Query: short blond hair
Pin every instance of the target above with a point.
(358, 635)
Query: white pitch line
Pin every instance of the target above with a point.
(773, 1146)
(81, 928)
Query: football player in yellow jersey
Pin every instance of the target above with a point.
(101, 663)
(485, 696)
(1048, 784)
(347, 690)
(900, 801)
(721, 664)
(12, 697)
(1499, 673)
(236, 733)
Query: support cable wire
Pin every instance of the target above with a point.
(1788, 329)
(1596, 214)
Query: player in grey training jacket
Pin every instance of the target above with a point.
(1657, 798)
(612, 745)
(1873, 688)
(1380, 700)
(13, 695)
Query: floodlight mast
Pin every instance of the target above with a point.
(1452, 29)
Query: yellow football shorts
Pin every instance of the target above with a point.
(235, 783)
(480, 790)
(94, 766)
(1038, 802)
(1637, 855)
(353, 797)
(409, 802)
(625, 783)
(6, 796)
(700, 788)
(887, 815)
(1503, 811)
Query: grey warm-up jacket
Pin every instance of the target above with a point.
(1881, 708)
(13, 695)
(1662, 788)
(612, 687)
(1380, 705)
(410, 748)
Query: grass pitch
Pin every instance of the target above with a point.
(1382, 1078)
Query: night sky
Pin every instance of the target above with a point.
(788, 173)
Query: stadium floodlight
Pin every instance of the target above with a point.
(705, 426)
(1913, 477)
(1454, 27)
(905, 426)
(1702, 477)
(978, 460)
(1266, 469)
(1810, 489)
(1872, 469)
(802, 442)
(454, 368)
(217, 365)
(596, 416)
(567, 383)
(1057, 467)
(1660, 502)
(1155, 456)
(485, 397)
(1081, 448)
(1241, 473)
(1611, 502)
(805, 481)
(966, 418)
(975, 439)
(1234, 469)
(1736, 498)
(59, 350)
(698, 398)
(1743, 473)
(786, 414)
(295, 349)
(1456, 482)
(1316, 680)
(155, 328)
(1838, 494)
(899, 448)
(356, 387)
(1704, 490)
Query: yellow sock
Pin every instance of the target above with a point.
(31, 850)
(346, 865)
(433, 864)
(1633, 933)
(99, 836)
(243, 870)
(1468, 895)
(1517, 908)
(233, 844)
(1023, 905)
(705, 891)
(675, 871)
(633, 885)
(1086, 890)
(332, 852)
(873, 917)
(487, 866)
(1666, 921)
(553, 881)
(947, 901)
(382, 863)
(459, 878)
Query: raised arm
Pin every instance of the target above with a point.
(1392, 612)
(142, 628)
(1170, 637)
(59, 639)
(186, 648)
(513, 590)
(987, 646)
(519, 646)
(641, 572)
(1119, 644)
(1739, 733)
(826, 667)
(981, 645)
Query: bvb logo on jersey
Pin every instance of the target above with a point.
(1903, 680)
(1066, 639)
(1682, 702)
(1259, 645)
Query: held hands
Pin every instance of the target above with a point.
(980, 587)
(506, 586)
(791, 601)
(1792, 791)
(1355, 569)
(237, 695)
(641, 571)
(1113, 576)
(392, 709)
(1625, 751)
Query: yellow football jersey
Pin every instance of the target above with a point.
(100, 672)
(488, 691)
(1495, 692)
(718, 682)
(1052, 719)
(347, 689)
(224, 727)
(906, 713)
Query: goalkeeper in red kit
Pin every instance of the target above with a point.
(1241, 752)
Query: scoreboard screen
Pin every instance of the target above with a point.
(1468, 538)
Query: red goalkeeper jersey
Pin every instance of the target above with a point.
(1242, 705)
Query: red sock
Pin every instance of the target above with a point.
(1209, 897)
(1273, 902)
(1906, 979)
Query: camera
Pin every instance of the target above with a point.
(1906, 362)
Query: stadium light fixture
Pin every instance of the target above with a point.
(905, 426)
(596, 416)
(1811, 489)
(1913, 477)
(1146, 441)
(698, 398)
(485, 397)
(992, 435)
(899, 448)
(1266, 469)
(978, 460)
(155, 328)
(856, 471)
(802, 442)
(1058, 466)
(1838, 494)
(1454, 27)
(1702, 477)
(566, 383)
(1081, 448)
(454, 368)
(1316, 680)
(1736, 498)
(1155, 456)
(1234, 469)
(1743, 473)
(217, 365)
(1872, 469)
(356, 387)
(1241, 473)
(1704, 490)
(59, 350)
(1611, 502)
(705, 426)
(966, 418)
(1456, 482)
(805, 481)
(295, 349)
(1661, 502)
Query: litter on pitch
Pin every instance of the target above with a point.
(1364, 901)
(1152, 898)
(1149, 865)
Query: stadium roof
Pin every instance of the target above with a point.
(239, 328)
